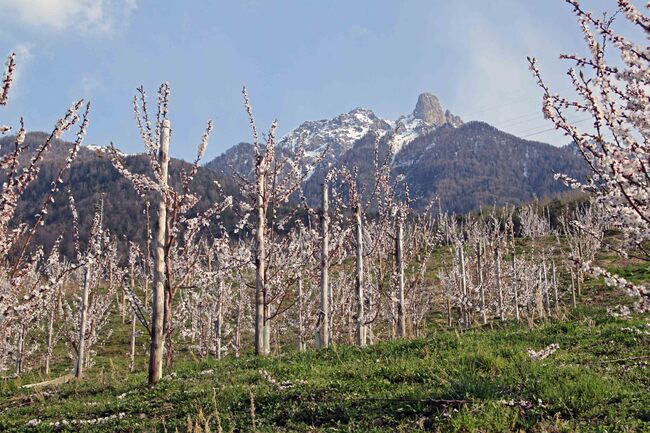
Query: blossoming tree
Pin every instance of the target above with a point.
(612, 85)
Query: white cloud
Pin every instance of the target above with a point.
(497, 86)
(23, 51)
(24, 56)
(90, 84)
(63, 15)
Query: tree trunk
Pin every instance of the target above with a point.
(463, 286)
(133, 320)
(20, 350)
(83, 322)
(555, 295)
(323, 338)
(479, 272)
(539, 297)
(50, 338)
(578, 266)
(261, 331)
(515, 289)
(158, 305)
(301, 324)
(529, 308)
(573, 289)
(497, 263)
(401, 316)
(266, 330)
(360, 334)
(547, 298)
(238, 321)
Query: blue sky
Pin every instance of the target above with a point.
(301, 60)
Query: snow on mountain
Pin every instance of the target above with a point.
(103, 149)
(341, 132)
(338, 133)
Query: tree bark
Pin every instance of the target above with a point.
(301, 324)
(83, 322)
(261, 332)
(360, 334)
(323, 338)
(399, 256)
(21, 351)
(573, 289)
(238, 321)
(133, 320)
(547, 298)
(479, 272)
(555, 295)
(515, 289)
(158, 305)
(463, 286)
(497, 263)
(50, 338)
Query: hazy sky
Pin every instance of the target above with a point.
(301, 60)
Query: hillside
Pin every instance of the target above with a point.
(92, 175)
(477, 164)
(480, 380)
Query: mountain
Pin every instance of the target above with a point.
(334, 137)
(476, 164)
(92, 175)
(466, 165)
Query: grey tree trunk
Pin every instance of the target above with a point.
(573, 289)
(401, 316)
(219, 322)
(555, 295)
(133, 320)
(540, 294)
(266, 334)
(301, 321)
(323, 338)
(360, 334)
(579, 282)
(21, 351)
(463, 286)
(497, 263)
(515, 289)
(83, 322)
(578, 266)
(262, 336)
(529, 308)
(547, 298)
(50, 338)
(479, 272)
(238, 321)
(158, 305)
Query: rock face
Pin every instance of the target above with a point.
(337, 134)
(433, 149)
(428, 110)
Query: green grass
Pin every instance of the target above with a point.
(637, 274)
(590, 384)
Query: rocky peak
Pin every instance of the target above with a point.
(428, 110)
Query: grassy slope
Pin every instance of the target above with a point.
(597, 381)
